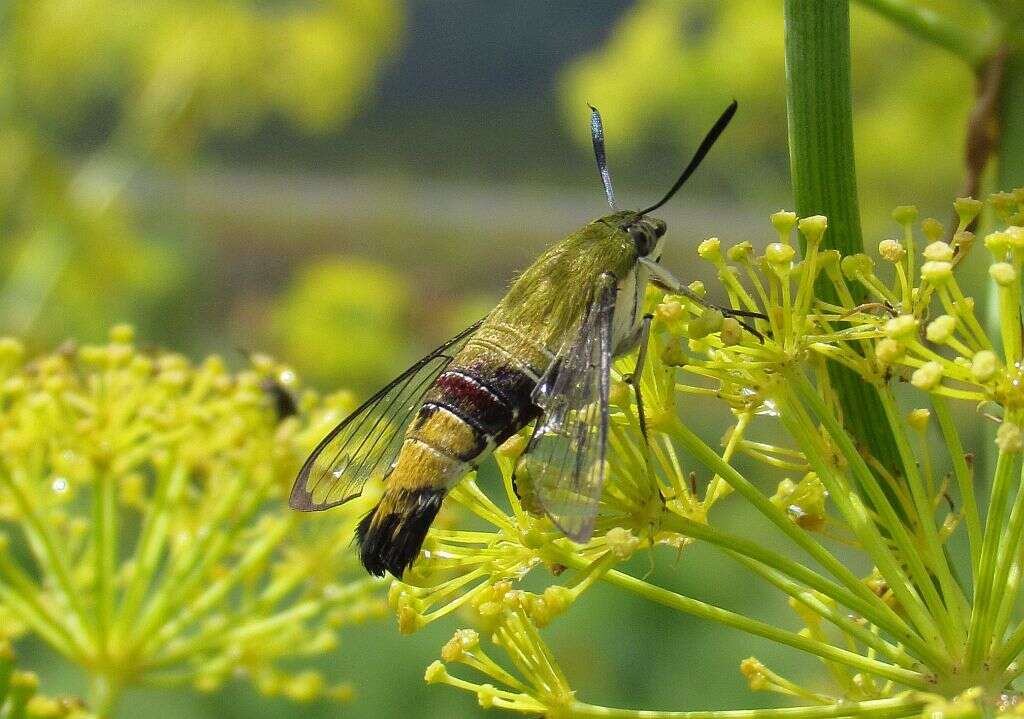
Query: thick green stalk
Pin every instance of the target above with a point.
(819, 107)
(1011, 112)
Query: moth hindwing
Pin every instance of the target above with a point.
(366, 442)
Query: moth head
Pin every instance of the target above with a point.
(646, 232)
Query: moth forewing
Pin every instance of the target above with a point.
(565, 456)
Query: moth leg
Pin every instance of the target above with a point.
(636, 379)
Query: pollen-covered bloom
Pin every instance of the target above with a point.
(144, 532)
(933, 627)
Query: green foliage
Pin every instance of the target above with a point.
(910, 99)
(340, 322)
(129, 87)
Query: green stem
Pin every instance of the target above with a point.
(877, 613)
(979, 639)
(706, 456)
(909, 593)
(105, 554)
(1011, 118)
(104, 694)
(1006, 555)
(899, 706)
(49, 551)
(752, 626)
(812, 601)
(956, 604)
(933, 27)
(964, 480)
(819, 107)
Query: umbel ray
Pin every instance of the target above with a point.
(543, 353)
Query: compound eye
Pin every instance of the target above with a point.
(659, 227)
(643, 242)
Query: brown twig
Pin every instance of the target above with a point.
(982, 126)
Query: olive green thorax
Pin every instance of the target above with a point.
(549, 300)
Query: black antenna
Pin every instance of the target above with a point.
(597, 135)
(698, 156)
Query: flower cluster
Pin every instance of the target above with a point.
(144, 532)
(912, 635)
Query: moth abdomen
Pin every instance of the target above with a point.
(467, 412)
(391, 534)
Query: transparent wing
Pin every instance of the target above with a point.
(565, 456)
(366, 442)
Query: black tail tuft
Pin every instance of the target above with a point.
(391, 534)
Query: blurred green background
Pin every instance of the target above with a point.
(344, 183)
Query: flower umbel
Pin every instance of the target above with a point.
(143, 525)
(928, 626)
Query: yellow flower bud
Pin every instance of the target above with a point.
(828, 258)
(812, 228)
(941, 329)
(714, 319)
(901, 327)
(927, 377)
(44, 708)
(123, 333)
(779, 254)
(984, 365)
(710, 250)
(670, 311)
(891, 250)
(932, 229)
(304, 687)
(783, 221)
(1003, 273)
(967, 208)
(905, 214)
(1016, 235)
(997, 243)
(888, 351)
(464, 640)
(486, 695)
(435, 673)
(409, 620)
(938, 252)
(1009, 438)
(621, 542)
(741, 252)
(754, 671)
(732, 332)
(918, 419)
(11, 350)
(858, 265)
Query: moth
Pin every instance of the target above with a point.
(543, 355)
